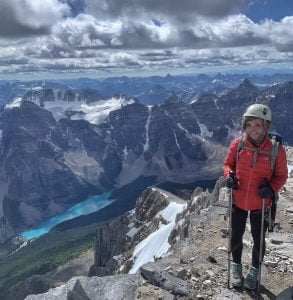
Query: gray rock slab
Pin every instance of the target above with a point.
(281, 238)
(289, 209)
(94, 288)
(152, 273)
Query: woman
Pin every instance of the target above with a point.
(254, 180)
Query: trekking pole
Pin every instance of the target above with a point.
(231, 173)
(261, 247)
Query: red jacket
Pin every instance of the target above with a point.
(250, 175)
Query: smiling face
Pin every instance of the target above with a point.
(255, 129)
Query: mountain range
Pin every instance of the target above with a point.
(58, 147)
(148, 90)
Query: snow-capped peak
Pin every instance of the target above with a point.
(15, 102)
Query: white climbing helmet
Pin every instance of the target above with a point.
(259, 111)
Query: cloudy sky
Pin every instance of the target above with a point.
(74, 38)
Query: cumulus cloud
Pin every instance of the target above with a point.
(84, 33)
(280, 33)
(136, 34)
(183, 10)
(19, 18)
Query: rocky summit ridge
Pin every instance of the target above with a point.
(194, 264)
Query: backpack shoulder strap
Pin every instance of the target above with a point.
(274, 151)
(239, 147)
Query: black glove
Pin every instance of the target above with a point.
(265, 190)
(232, 182)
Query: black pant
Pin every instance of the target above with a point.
(239, 217)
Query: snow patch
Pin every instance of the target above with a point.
(156, 244)
(167, 114)
(204, 130)
(16, 102)
(21, 246)
(182, 128)
(270, 96)
(95, 112)
(216, 103)
(147, 139)
(195, 199)
(176, 141)
(165, 195)
(170, 212)
(36, 88)
(118, 257)
(194, 100)
(125, 151)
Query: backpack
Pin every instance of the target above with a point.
(276, 139)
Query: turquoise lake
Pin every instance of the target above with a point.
(86, 207)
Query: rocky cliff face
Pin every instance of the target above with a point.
(48, 164)
(115, 242)
(50, 95)
(277, 98)
(220, 112)
(36, 181)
